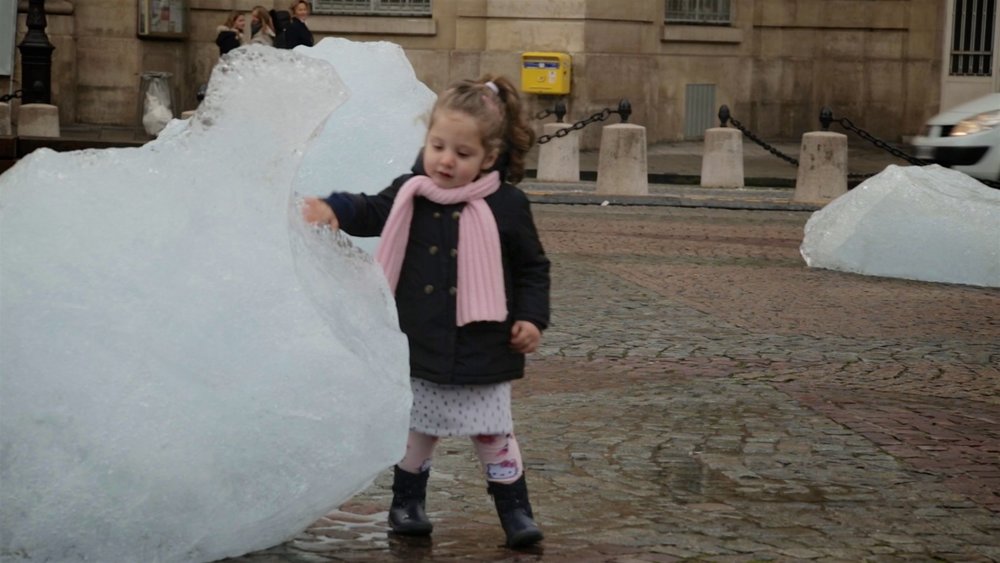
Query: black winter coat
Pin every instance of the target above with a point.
(297, 33)
(227, 40)
(441, 351)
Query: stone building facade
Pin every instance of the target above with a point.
(775, 63)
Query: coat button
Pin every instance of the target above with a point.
(454, 252)
(428, 289)
(455, 215)
(437, 214)
(433, 250)
(452, 291)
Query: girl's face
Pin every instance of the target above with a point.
(301, 11)
(239, 23)
(453, 152)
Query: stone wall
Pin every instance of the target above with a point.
(878, 63)
(779, 62)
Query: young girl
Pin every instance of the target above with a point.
(460, 249)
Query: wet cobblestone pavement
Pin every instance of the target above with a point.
(704, 395)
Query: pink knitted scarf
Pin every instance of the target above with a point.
(481, 295)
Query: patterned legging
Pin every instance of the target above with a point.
(499, 455)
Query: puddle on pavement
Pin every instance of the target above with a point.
(686, 479)
(347, 537)
(679, 479)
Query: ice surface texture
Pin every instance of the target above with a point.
(382, 124)
(188, 371)
(921, 223)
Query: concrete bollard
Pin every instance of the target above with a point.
(722, 159)
(5, 127)
(559, 159)
(822, 175)
(621, 163)
(38, 120)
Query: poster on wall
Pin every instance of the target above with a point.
(162, 18)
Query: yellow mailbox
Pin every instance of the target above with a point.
(545, 73)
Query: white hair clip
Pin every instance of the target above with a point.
(493, 87)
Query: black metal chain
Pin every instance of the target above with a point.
(826, 118)
(559, 110)
(599, 116)
(846, 124)
(624, 111)
(544, 113)
(8, 97)
(849, 125)
(791, 160)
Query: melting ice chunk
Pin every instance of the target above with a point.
(921, 223)
(190, 372)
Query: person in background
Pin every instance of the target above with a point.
(298, 33)
(230, 34)
(280, 19)
(461, 253)
(261, 27)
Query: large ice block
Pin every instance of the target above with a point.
(189, 372)
(921, 223)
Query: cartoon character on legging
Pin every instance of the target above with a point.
(506, 469)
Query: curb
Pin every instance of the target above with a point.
(665, 201)
(682, 179)
(668, 195)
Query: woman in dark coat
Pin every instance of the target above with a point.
(297, 32)
(230, 34)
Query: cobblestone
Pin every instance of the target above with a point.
(702, 395)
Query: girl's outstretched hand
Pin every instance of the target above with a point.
(315, 211)
(524, 337)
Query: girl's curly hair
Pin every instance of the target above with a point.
(500, 115)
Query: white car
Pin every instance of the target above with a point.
(966, 138)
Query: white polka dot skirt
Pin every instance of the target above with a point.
(460, 410)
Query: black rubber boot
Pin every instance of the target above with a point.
(515, 513)
(406, 515)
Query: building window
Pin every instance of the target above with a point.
(972, 38)
(713, 12)
(373, 7)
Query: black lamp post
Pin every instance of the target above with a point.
(36, 57)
